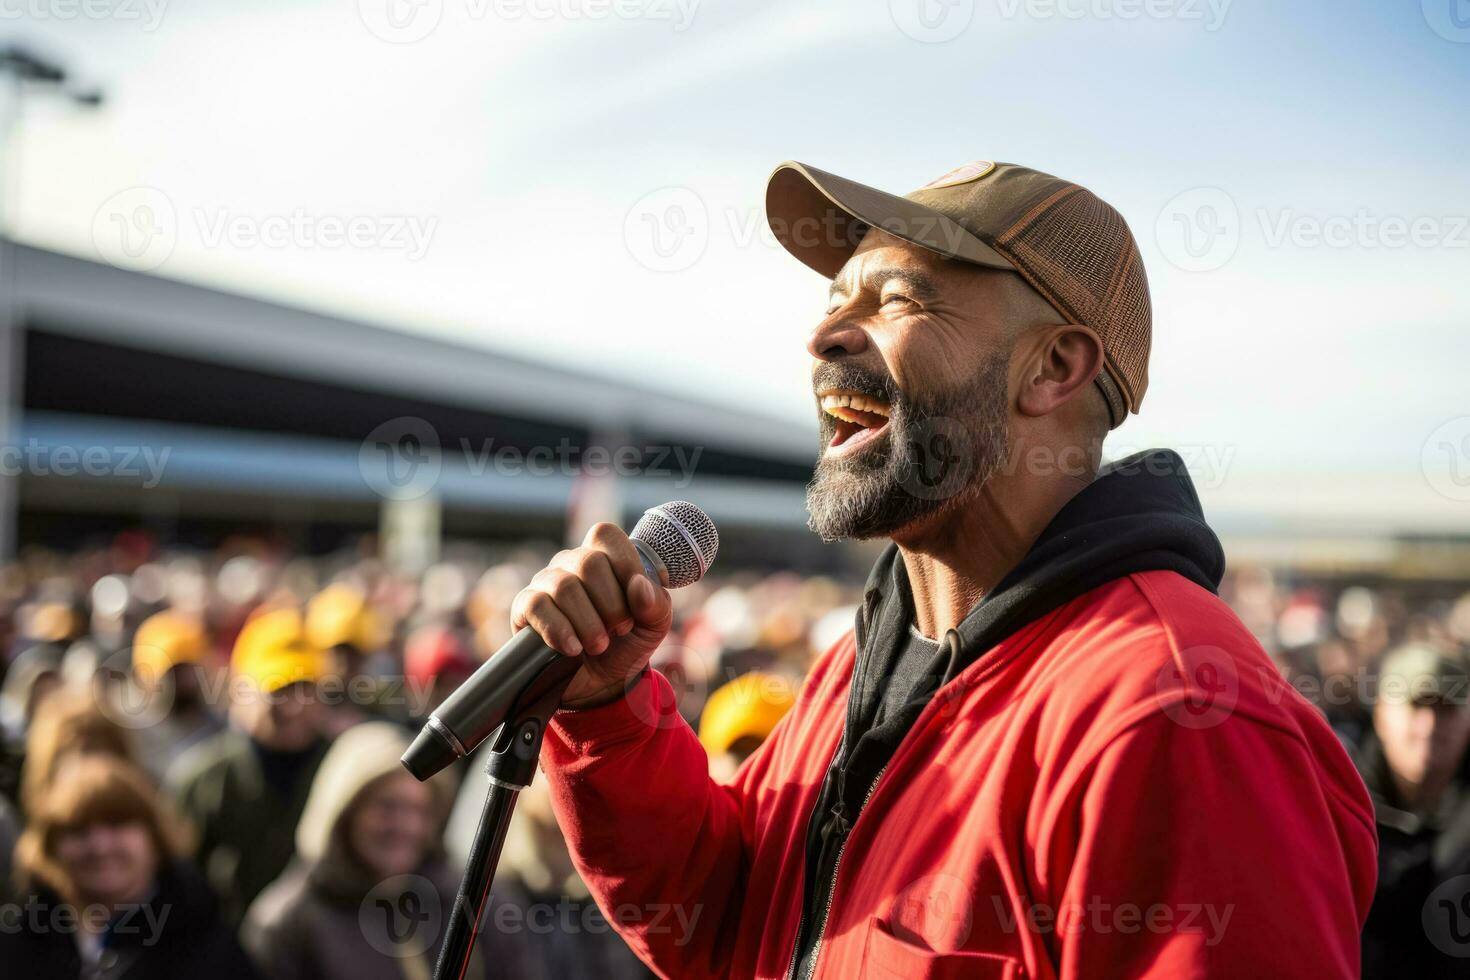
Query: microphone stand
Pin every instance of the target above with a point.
(515, 748)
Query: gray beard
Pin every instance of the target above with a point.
(936, 455)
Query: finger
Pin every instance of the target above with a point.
(567, 591)
(538, 611)
(650, 604)
(612, 541)
(595, 571)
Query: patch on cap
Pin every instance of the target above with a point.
(973, 170)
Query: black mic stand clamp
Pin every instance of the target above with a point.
(515, 748)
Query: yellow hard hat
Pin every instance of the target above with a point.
(339, 615)
(273, 651)
(166, 640)
(747, 707)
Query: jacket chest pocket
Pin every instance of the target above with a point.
(886, 957)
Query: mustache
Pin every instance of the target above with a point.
(841, 374)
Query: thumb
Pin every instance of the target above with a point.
(650, 604)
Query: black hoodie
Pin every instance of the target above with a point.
(1140, 514)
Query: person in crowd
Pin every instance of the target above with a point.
(170, 663)
(107, 894)
(368, 895)
(543, 899)
(244, 789)
(1415, 765)
(436, 661)
(340, 620)
(68, 724)
(34, 675)
(741, 715)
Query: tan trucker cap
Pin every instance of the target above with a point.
(1069, 244)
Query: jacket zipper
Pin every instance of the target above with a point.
(860, 661)
(832, 884)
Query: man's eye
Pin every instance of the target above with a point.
(895, 298)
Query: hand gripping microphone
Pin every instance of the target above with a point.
(677, 542)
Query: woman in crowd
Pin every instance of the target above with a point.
(105, 893)
(368, 895)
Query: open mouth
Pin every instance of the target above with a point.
(859, 418)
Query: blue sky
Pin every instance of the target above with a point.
(505, 172)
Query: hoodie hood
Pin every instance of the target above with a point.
(357, 758)
(1139, 514)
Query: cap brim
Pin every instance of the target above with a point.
(820, 218)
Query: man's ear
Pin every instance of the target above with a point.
(1065, 359)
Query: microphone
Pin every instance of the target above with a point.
(677, 542)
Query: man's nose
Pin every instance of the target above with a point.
(836, 336)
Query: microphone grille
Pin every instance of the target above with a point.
(683, 537)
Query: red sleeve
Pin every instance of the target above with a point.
(1209, 852)
(661, 846)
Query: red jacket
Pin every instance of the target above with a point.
(1122, 788)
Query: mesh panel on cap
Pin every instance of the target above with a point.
(1079, 251)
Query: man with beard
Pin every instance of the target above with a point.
(1048, 749)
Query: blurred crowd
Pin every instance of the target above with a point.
(199, 753)
(199, 758)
